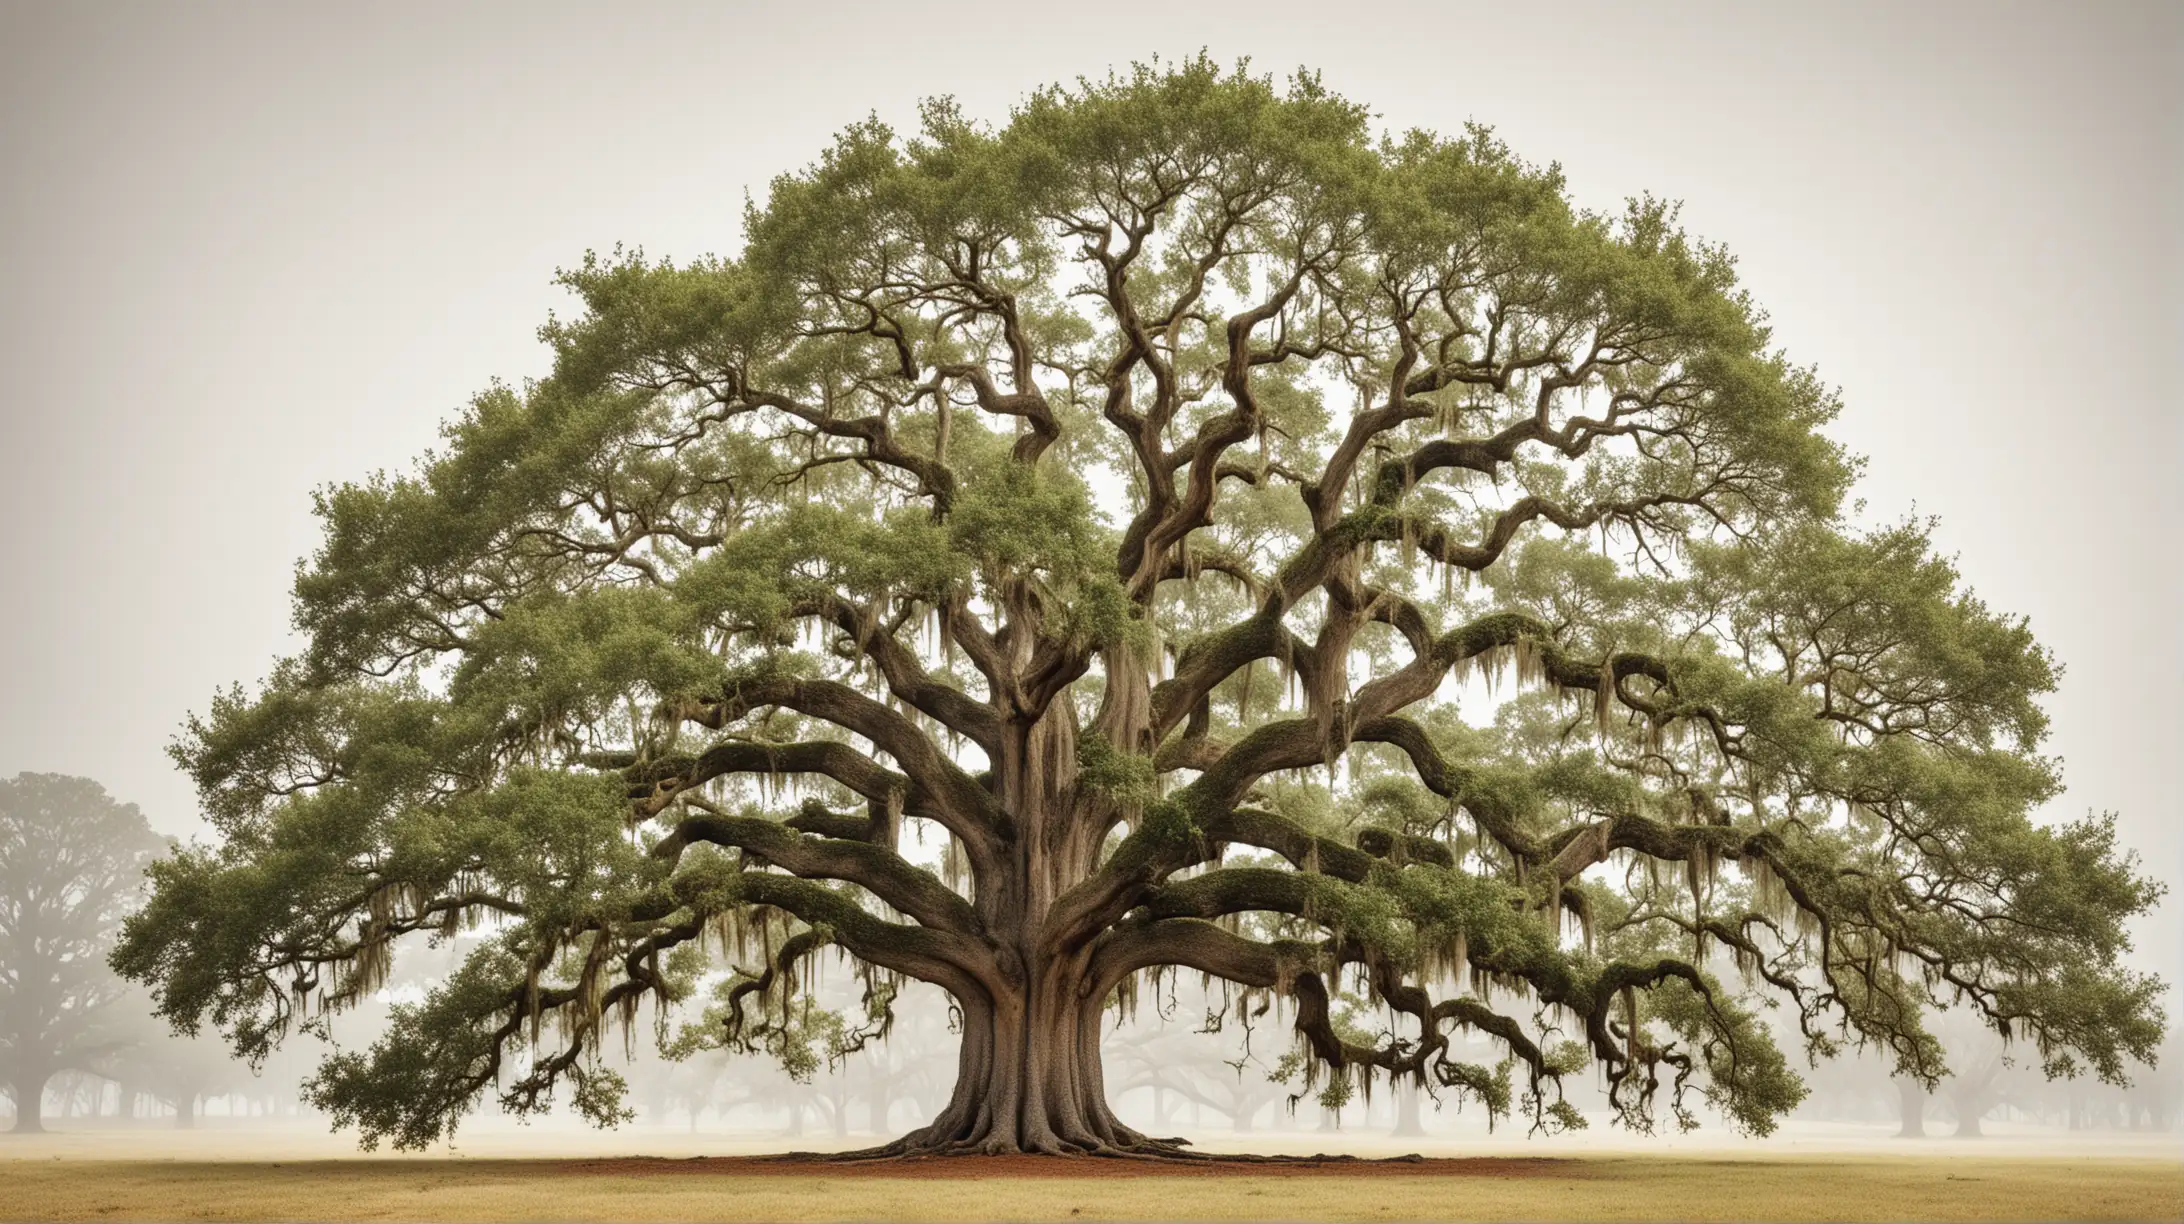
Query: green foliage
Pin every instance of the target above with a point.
(1491, 1087)
(435, 1057)
(1125, 779)
(1151, 461)
(1748, 1080)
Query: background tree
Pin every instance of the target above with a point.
(72, 865)
(1912, 1097)
(1187, 1045)
(913, 1068)
(1985, 1072)
(810, 1042)
(181, 1072)
(1069, 493)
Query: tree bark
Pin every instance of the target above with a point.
(1028, 1072)
(1028, 1079)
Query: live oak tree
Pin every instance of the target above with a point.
(1006, 569)
(72, 863)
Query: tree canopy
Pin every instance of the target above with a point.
(72, 865)
(1053, 553)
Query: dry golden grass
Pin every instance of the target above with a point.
(1589, 1188)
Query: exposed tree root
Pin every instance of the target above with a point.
(1155, 1151)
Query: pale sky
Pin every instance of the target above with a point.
(246, 250)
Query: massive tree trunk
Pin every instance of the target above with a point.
(1028, 1078)
(1028, 1075)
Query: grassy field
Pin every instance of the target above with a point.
(1594, 1187)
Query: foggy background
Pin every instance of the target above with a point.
(246, 250)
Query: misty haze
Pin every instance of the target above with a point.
(1136, 635)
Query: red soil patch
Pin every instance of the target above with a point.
(977, 1168)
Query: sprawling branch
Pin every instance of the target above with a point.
(977, 489)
